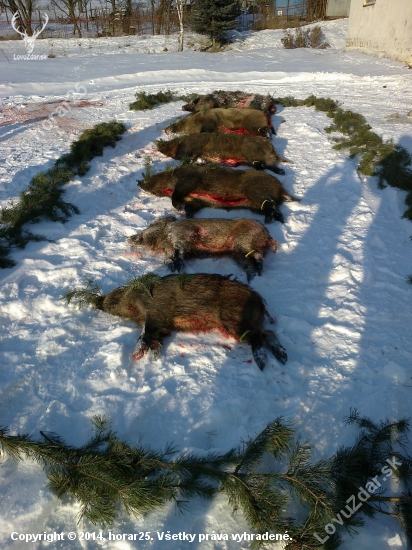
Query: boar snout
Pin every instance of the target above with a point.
(136, 240)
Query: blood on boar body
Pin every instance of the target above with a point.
(194, 303)
(227, 149)
(238, 121)
(246, 241)
(196, 187)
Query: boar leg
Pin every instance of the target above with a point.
(256, 342)
(276, 170)
(193, 206)
(252, 264)
(275, 347)
(264, 132)
(175, 261)
(140, 348)
(181, 192)
(150, 338)
(275, 214)
(272, 212)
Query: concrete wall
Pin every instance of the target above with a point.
(338, 8)
(382, 28)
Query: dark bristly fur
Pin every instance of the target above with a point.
(238, 100)
(246, 241)
(230, 149)
(247, 121)
(196, 187)
(200, 303)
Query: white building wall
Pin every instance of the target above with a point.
(338, 8)
(382, 28)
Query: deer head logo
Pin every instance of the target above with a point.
(28, 40)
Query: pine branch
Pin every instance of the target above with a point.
(106, 473)
(90, 294)
(43, 198)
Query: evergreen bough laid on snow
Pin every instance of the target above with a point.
(43, 198)
(146, 101)
(391, 163)
(266, 478)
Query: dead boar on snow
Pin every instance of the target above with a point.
(238, 100)
(227, 149)
(248, 122)
(196, 187)
(246, 241)
(188, 303)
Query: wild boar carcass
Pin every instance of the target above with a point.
(246, 241)
(226, 149)
(189, 303)
(248, 122)
(238, 100)
(196, 187)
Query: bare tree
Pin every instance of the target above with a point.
(25, 10)
(180, 5)
(68, 7)
(316, 9)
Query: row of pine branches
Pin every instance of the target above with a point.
(271, 479)
(43, 198)
(390, 162)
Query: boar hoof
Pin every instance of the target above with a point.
(277, 170)
(176, 264)
(264, 132)
(139, 352)
(279, 353)
(250, 273)
(259, 355)
(278, 216)
(156, 348)
(178, 205)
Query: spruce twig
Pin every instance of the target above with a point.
(90, 294)
(184, 278)
(146, 283)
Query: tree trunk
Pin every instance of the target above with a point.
(179, 8)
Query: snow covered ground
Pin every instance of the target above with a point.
(337, 284)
